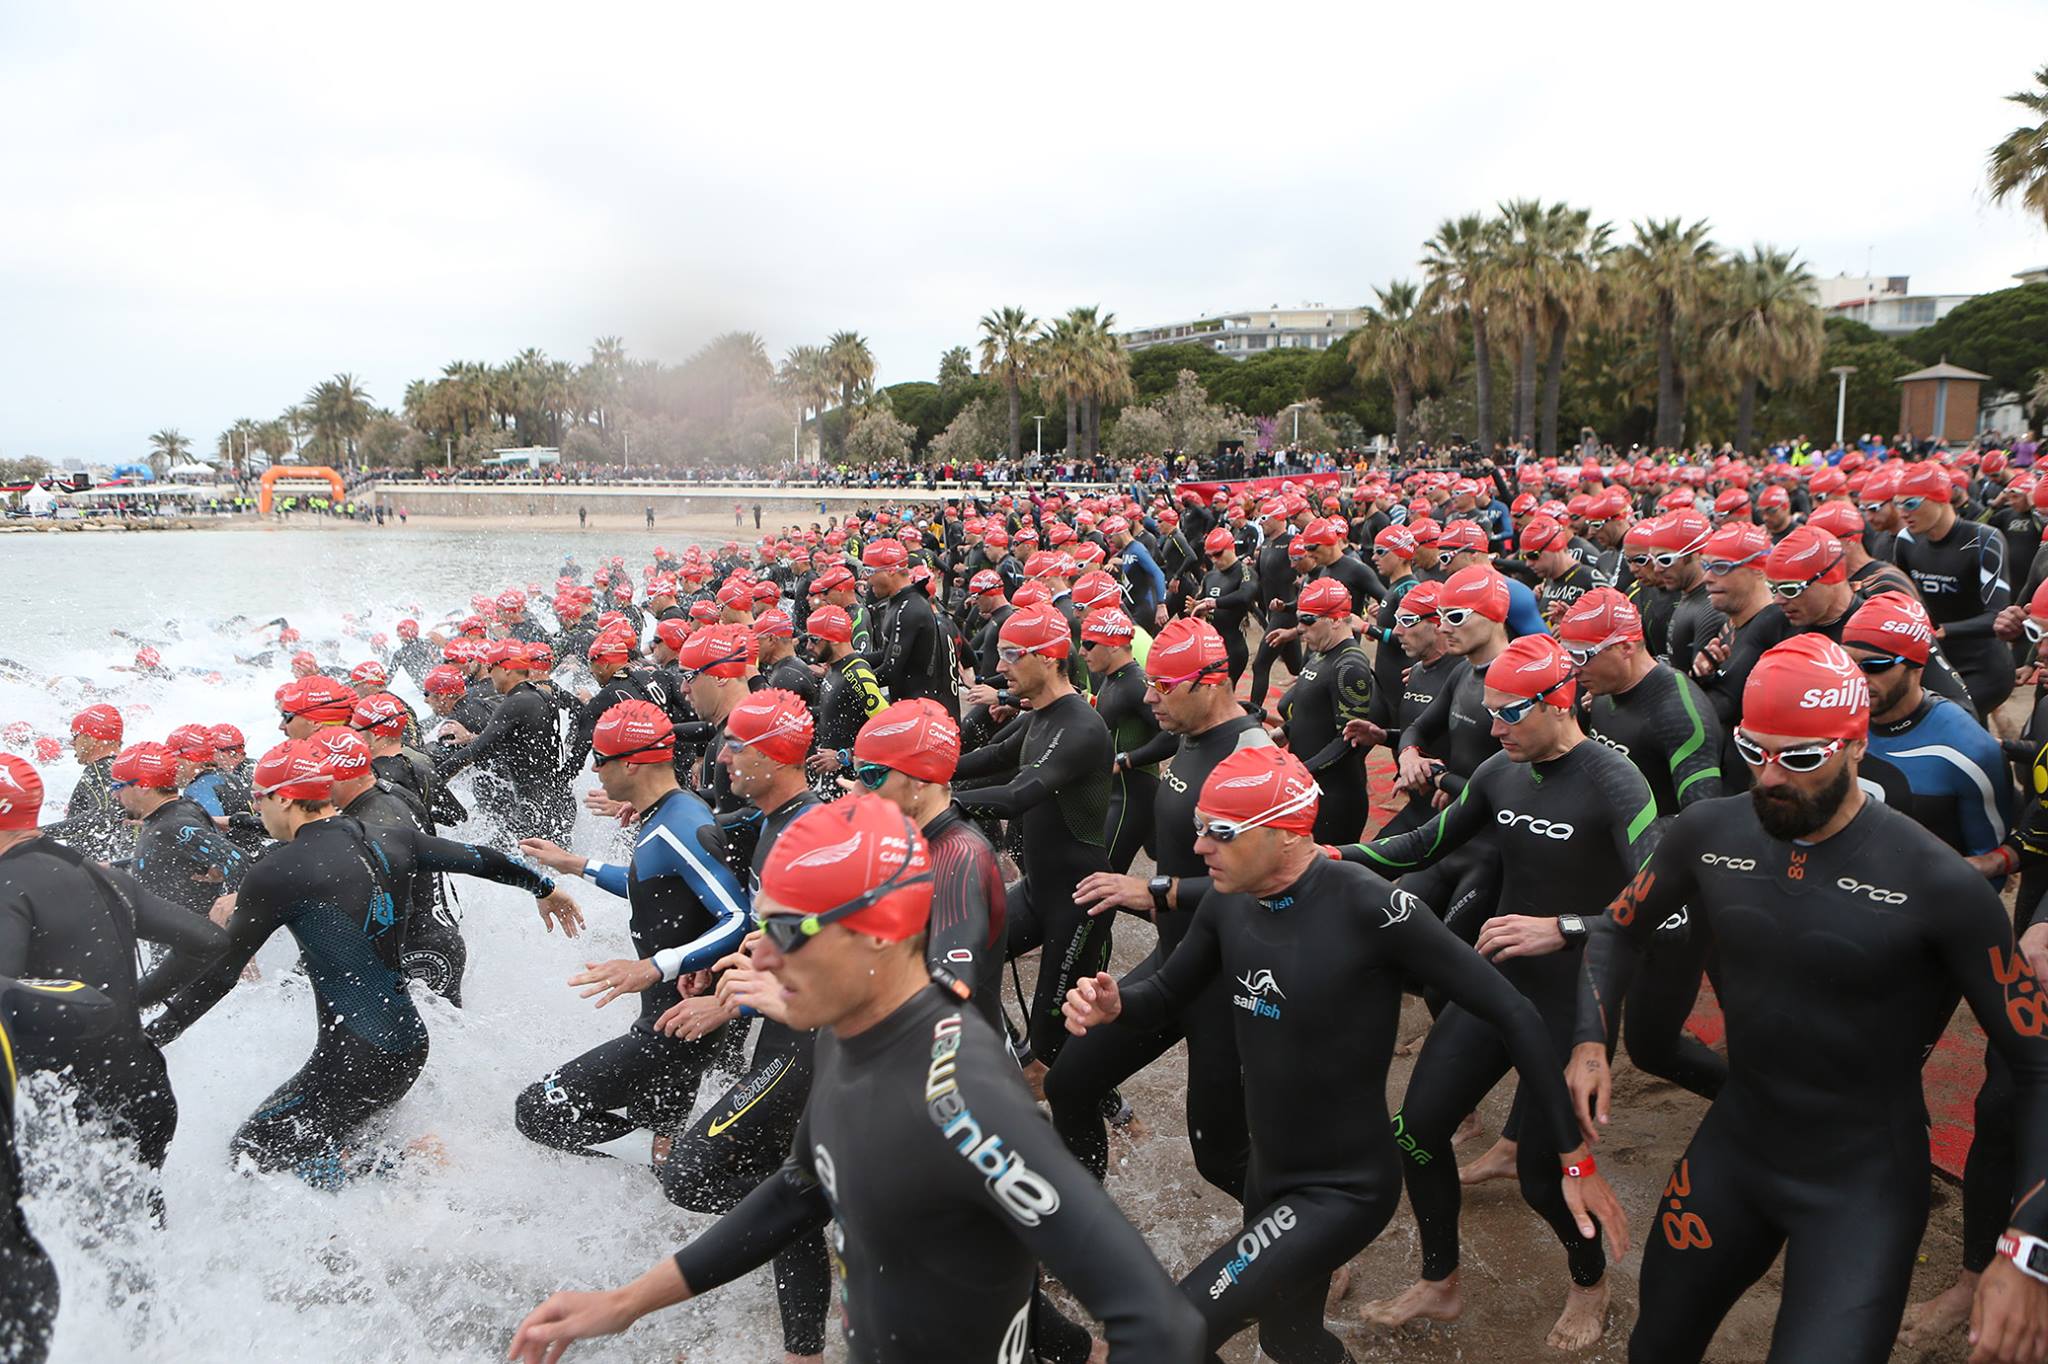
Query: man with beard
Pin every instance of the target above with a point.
(1839, 933)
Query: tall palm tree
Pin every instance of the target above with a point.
(1667, 262)
(1007, 337)
(853, 366)
(1457, 266)
(956, 367)
(1773, 333)
(296, 422)
(601, 377)
(1404, 343)
(806, 375)
(1062, 367)
(1106, 368)
(1574, 250)
(337, 410)
(2019, 164)
(1521, 266)
(166, 449)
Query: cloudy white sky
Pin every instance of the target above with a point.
(208, 207)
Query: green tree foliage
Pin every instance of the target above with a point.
(878, 436)
(23, 470)
(2002, 334)
(1264, 383)
(1807, 407)
(1157, 369)
(980, 430)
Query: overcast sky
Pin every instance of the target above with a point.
(209, 207)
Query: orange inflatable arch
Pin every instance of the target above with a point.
(298, 473)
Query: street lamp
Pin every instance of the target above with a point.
(1841, 372)
(1039, 418)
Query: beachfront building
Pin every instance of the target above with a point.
(1884, 303)
(1239, 335)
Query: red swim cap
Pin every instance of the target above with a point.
(227, 737)
(320, 699)
(348, 757)
(720, 650)
(1218, 540)
(1038, 629)
(1926, 479)
(1329, 531)
(1188, 650)
(1735, 541)
(774, 624)
(1460, 537)
(672, 632)
(828, 622)
(1839, 519)
(379, 713)
(1264, 787)
(831, 854)
(1530, 664)
(1807, 688)
(1732, 501)
(1422, 599)
(369, 673)
(99, 722)
(917, 738)
(887, 555)
(1892, 623)
(21, 793)
(443, 681)
(190, 743)
(1479, 586)
(611, 646)
(1323, 597)
(295, 770)
(1680, 532)
(1806, 555)
(1395, 540)
(1774, 497)
(1541, 534)
(408, 629)
(1598, 616)
(148, 765)
(775, 723)
(1107, 625)
(634, 731)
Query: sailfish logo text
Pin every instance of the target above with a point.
(1258, 985)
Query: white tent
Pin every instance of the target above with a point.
(39, 502)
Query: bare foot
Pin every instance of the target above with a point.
(1467, 1130)
(803, 1359)
(1098, 1352)
(1499, 1163)
(1943, 1314)
(1034, 1079)
(1135, 1131)
(659, 1148)
(1412, 1045)
(1340, 1284)
(1583, 1320)
(1423, 1300)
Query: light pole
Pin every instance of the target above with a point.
(1039, 441)
(1842, 373)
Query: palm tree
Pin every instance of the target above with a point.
(2019, 165)
(1666, 263)
(806, 375)
(602, 375)
(337, 411)
(1404, 343)
(1105, 372)
(1457, 265)
(296, 422)
(167, 448)
(1773, 333)
(956, 367)
(1521, 265)
(1574, 250)
(236, 442)
(853, 365)
(1007, 338)
(1062, 372)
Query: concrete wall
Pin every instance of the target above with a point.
(669, 499)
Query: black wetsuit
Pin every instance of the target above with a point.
(1093, 1065)
(1389, 662)
(1358, 578)
(1964, 583)
(1276, 583)
(790, 674)
(687, 910)
(1333, 689)
(335, 887)
(414, 771)
(94, 822)
(1120, 701)
(1338, 943)
(1657, 606)
(1694, 621)
(182, 856)
(434, 954)
(946, 1190)
(913, 654)
(1554, 596)
(743, 1137)
(62, 916)
(1666, 728)
(521, 751)
(848, 695)
(418, 657)
(70, 1011)
(1836, 965)
(1454, 728)
(1056, 766)
(1397, 711)
(622, 685)
(1571, 830)
(1235, 591)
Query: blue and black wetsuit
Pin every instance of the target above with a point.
(688, 910)
(1961, 784)
(1964, 581)
(335, 886)
(182, 856)
(28, 1281)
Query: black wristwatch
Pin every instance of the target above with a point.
(1573, 927)
(1160, 886)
